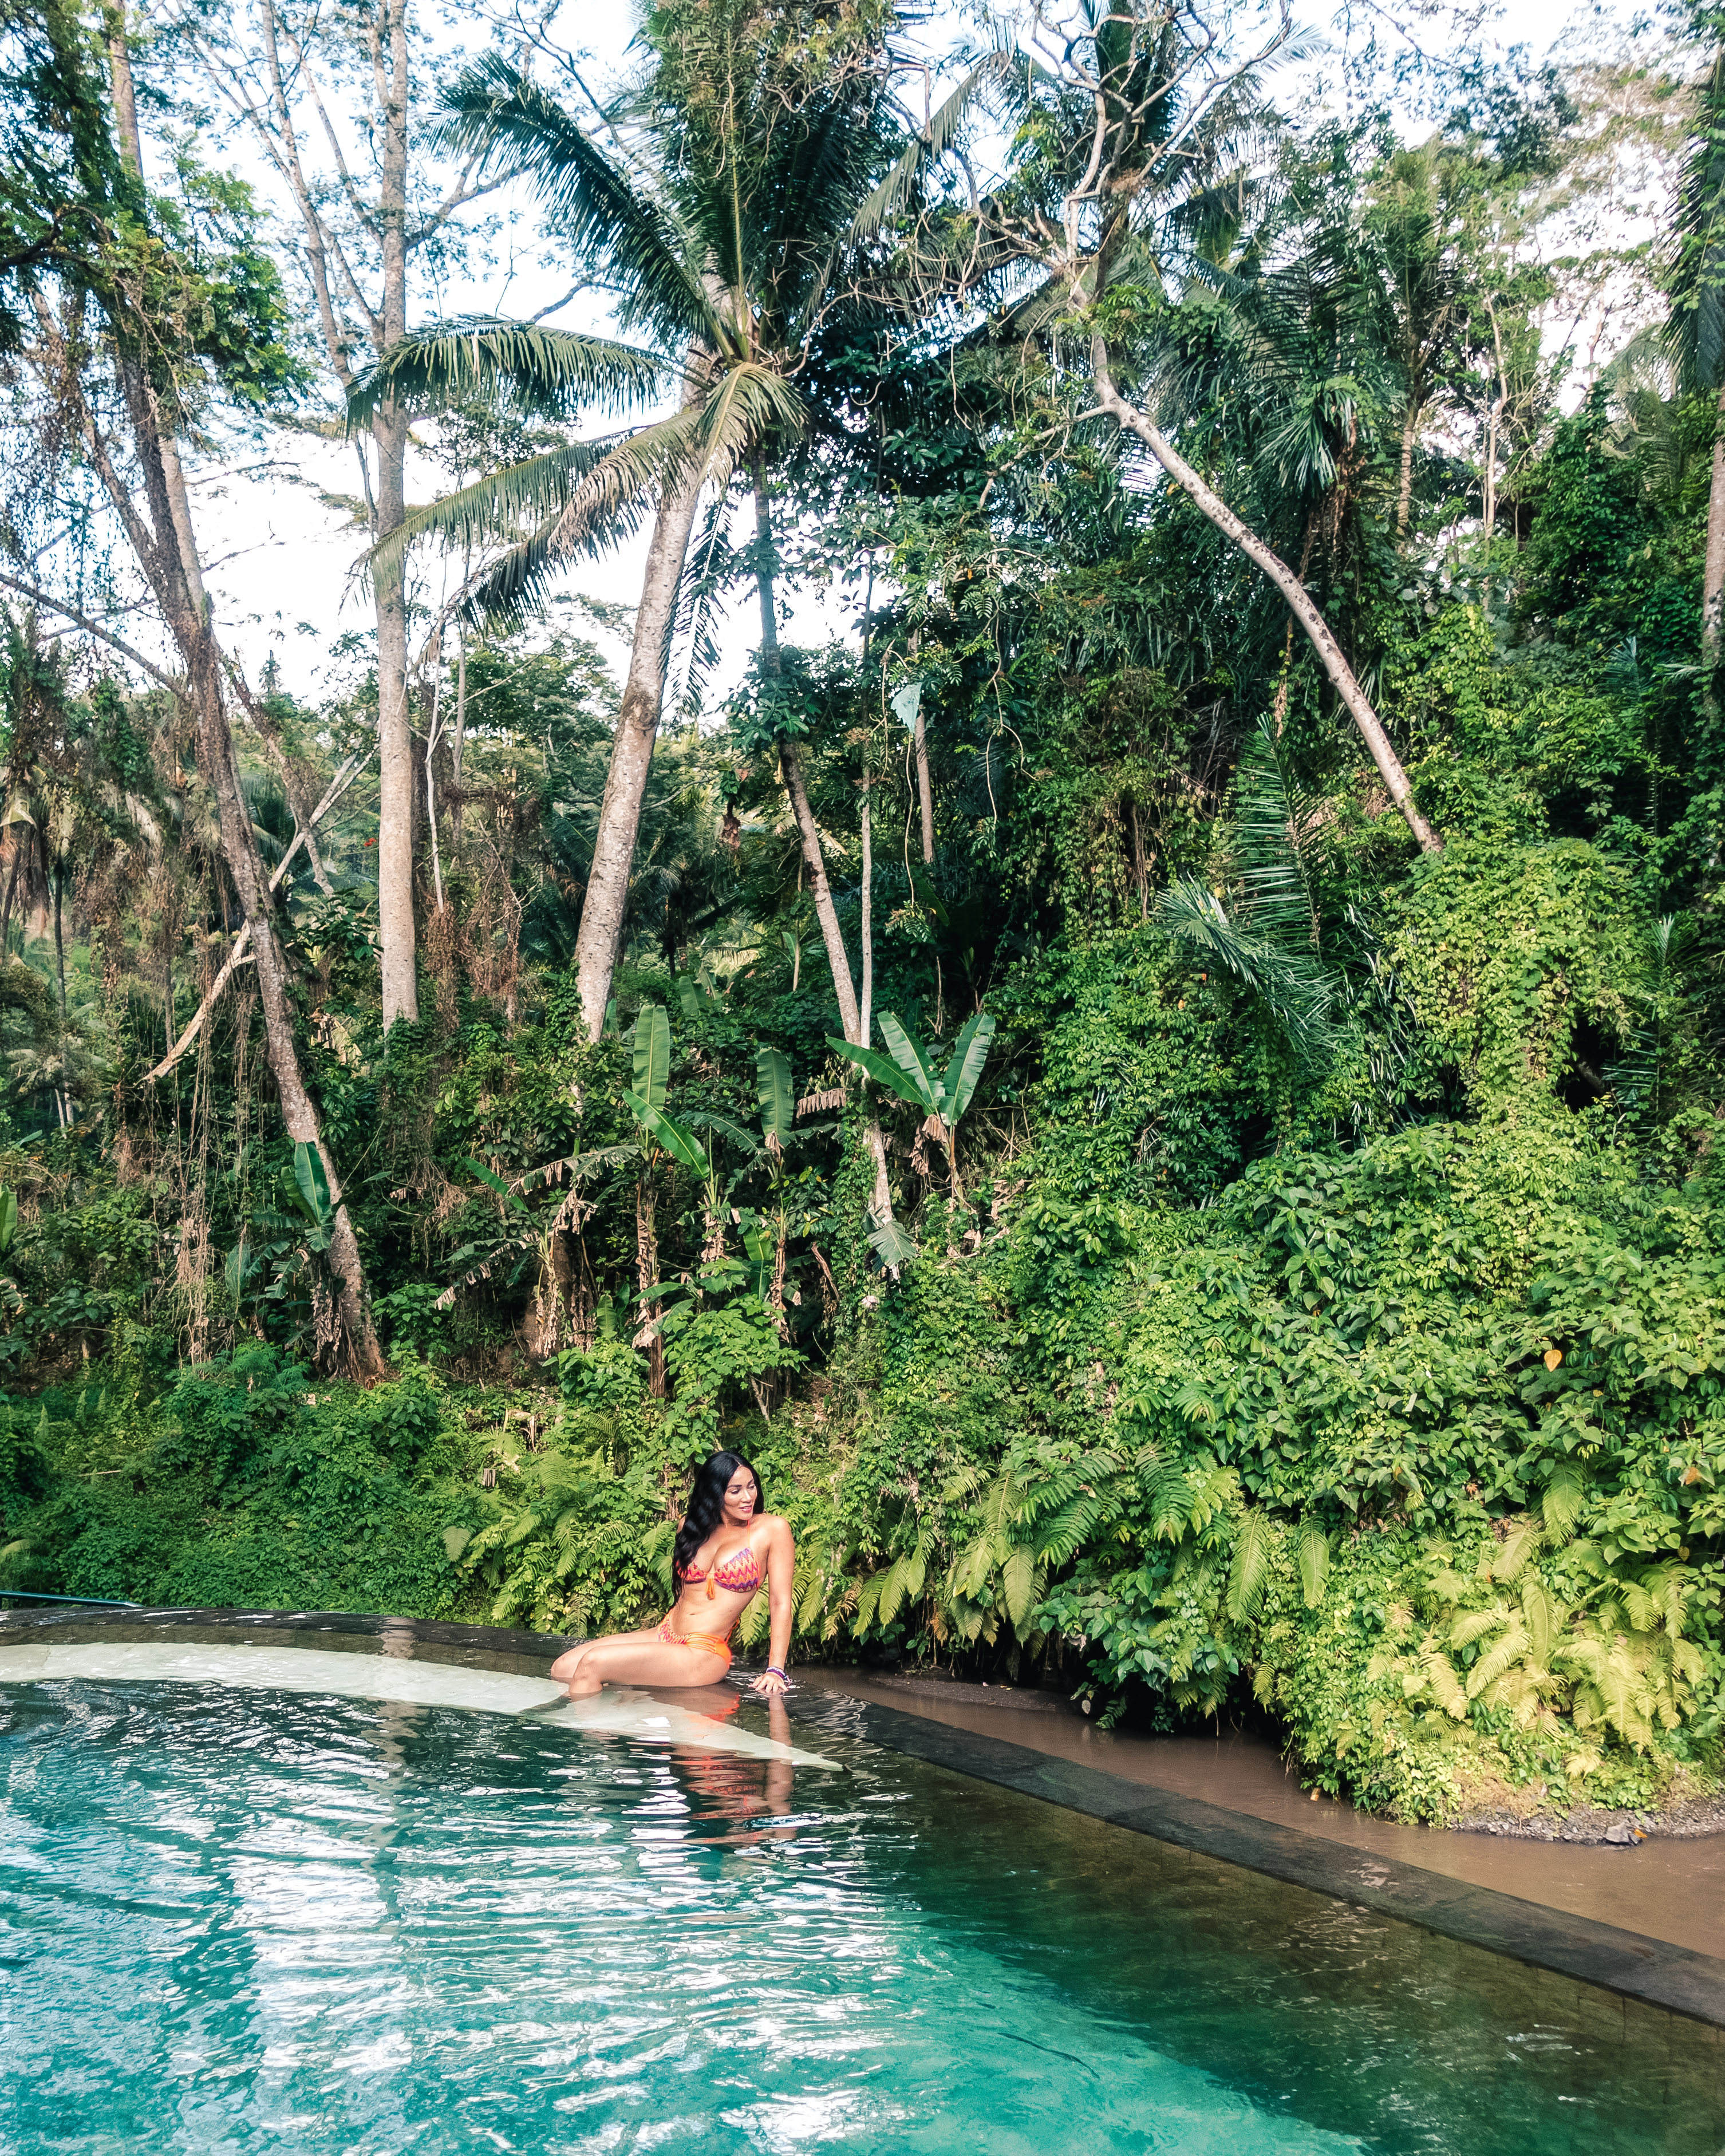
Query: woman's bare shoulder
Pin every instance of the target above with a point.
(774, 1523)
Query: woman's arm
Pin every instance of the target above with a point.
(781, 1583)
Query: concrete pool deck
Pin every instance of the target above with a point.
(1606, 1917)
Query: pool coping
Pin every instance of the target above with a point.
(1604, 1955)
(1627, 1963)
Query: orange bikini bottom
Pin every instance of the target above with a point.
(704, 1640)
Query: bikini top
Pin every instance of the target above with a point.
(739, 1574)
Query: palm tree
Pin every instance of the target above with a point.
(1696, 284)
(723, 230)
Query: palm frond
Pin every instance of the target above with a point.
(993, 71)
(498, 504)
(1294, 987)
(747, 407)
(517, 366)
(509, 124)
(1276, 879)
(1696, 279)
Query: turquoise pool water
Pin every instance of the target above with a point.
(235, 1921)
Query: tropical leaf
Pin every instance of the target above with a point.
(1474, 1624)
(313, 1184)
(893, 1244)
(1019, 1583)
(1276, 885)
(777, 1092)
(1249, 1573)
(1518, 1544)
(652, 1055)
(510, 124)
(970, 1052)
(868, 1600)
(585, 496)
(1498, 1659)
(533, 493)
(913, 1060)
(926, 149)
(514, 365)
(1562, 1499)
(1313, 1550)
(678, 1141)
(812, 1567)
(709, 1119)
(1293, 986)
(1446, 1685)
(8, 1216)
(1539, 1614)
(748, 406)
(882, 1069)
(492, 1183)
(1077, 1521)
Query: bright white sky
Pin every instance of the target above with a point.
(283, 563)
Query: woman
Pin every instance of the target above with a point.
(726, 1546)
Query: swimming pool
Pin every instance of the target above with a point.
(239, 1920)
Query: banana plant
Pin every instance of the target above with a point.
(275, 1260)
(909, 1071)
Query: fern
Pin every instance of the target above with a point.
(1445, 1686)
(1314, 1560)
(1249, 1574)
(1021, 1583)
(1562, 1500)
(1498, 1659)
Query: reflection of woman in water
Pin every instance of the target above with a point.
(726, 1548)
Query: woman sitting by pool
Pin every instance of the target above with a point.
(726, 1546)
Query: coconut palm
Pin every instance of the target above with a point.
(722, 222)
(1696, 284)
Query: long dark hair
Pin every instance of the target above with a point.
(706, 1506)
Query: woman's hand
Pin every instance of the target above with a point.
(771, 1684)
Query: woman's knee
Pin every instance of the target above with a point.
(566, 1664)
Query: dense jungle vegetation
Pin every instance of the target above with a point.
(1164, 1082)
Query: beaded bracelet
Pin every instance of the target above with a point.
(779, 1674)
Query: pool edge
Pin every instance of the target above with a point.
(1652, 1971)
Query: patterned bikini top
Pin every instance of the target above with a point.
(739, 1574)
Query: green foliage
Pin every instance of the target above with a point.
(1332, 1317)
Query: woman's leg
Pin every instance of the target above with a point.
(564, 1667)
(643, 1659)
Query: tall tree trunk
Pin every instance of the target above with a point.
(16, 853)
(125, 103)
(1299, 600)
(215, 755)
(924, 791)
(168, 558)
(607, 900)
(395, 741)
(814, 860)
(57, 882)
(1404, 492)
(865, 1014)
(1712, 590)
(650, 1336)
(60, 945)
